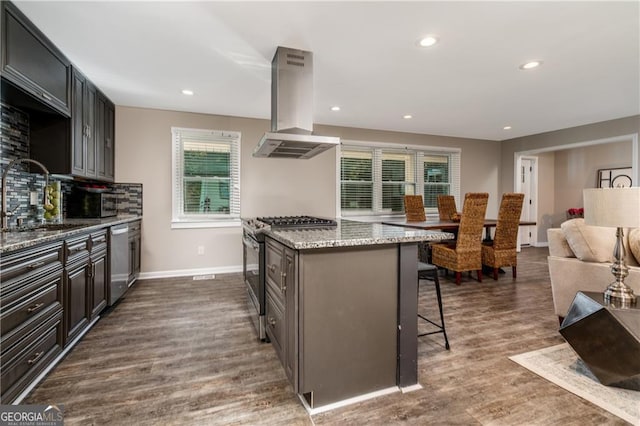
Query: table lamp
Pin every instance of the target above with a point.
(616, 208)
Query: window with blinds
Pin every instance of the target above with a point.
(374, 180)
(206, 175)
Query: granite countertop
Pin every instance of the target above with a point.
(350, 233)
(16, 240)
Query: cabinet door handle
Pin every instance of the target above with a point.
(283, 282)
(35, 358)
(272, 268)
(272, 321)
(33, 308)
(35, 265)
(46, 96)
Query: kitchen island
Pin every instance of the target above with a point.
(341, 308)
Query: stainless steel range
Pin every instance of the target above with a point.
(253, 234)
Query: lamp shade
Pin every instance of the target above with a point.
(612, 207)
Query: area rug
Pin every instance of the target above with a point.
(560, 365)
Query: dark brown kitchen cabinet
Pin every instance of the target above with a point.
(76, 293)
(83, 118)
(135, 241)
(31, 308)
(99, 273)
(281, 309)
(105, 130)
(87, 281)
(77, 286)
(32, 62)
(88, 152)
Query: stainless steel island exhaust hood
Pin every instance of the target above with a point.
(292, 109)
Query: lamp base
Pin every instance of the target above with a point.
(620, 293)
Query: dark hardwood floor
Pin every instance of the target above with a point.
(183, 352)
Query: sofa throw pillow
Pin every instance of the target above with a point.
(634, 243)
(589, 243)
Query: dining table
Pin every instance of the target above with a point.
(447, 225)
(451, 226)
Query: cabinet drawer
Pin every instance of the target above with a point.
(273, 262)
(48, 292)
(26, 265)
(99, 241)
(275, 325)
(134, 227)
(23, 361)
(77, 248)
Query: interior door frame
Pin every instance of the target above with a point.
(533, 240)
(635, 157)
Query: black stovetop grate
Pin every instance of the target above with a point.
(297, 221)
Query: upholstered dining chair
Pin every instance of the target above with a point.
(502, 250)
(465, 254)
(414, 208)
(446, 206)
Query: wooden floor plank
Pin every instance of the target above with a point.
(183, 352)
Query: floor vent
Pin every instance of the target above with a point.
(204, 277)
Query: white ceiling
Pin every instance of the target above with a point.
(366, 59)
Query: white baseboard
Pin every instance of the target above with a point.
(190, 272)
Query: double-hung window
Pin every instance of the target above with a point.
(206, 178)
(375, 178)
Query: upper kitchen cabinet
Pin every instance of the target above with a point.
(87, 151)
(83, 129)
(105, 131)
(32, 62)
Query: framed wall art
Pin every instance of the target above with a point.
(614, 178)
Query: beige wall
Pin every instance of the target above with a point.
(571, 169)
(269, 186)
(590, 132)
(546, 199)
(576, 169)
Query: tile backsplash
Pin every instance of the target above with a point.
(14, 144)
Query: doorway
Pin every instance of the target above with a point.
(528, 185)
(546, 219)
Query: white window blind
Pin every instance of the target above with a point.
(206, 176)
(374, 180)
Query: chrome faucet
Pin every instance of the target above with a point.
(4, 213)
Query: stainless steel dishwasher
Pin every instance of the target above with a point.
(119, 236)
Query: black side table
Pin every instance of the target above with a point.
(606, 337)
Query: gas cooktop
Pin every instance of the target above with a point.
(297, 222)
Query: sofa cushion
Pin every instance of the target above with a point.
(558, 245)
(589, 243)
(634, 243)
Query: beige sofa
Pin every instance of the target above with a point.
(580, 257)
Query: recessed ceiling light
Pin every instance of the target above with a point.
(335, 108)
(407, 116)
(530, 65)
(428, 41)
(187, 92)
(506, 128)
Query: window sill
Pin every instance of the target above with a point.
(193, 224)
